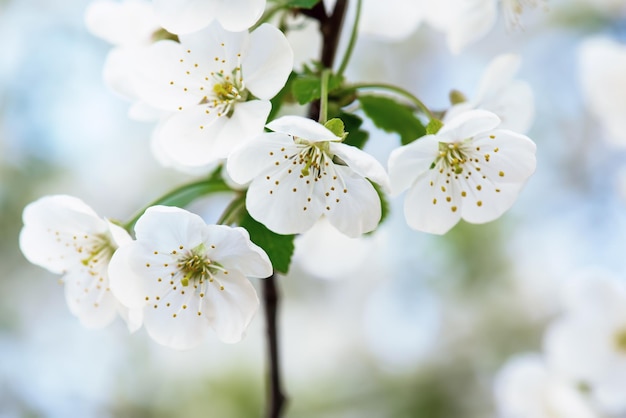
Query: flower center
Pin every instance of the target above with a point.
(101, 250)
(228, 90)
(620, 340)
(451, 155)
(196, 266)
(315, 156)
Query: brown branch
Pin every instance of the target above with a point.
(330, 29)
(271, 298)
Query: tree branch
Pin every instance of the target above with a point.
(271, 298)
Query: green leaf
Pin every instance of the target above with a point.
(384, 203)
(279, 248)
(391, 116)
(356, 136)
(336, 126)
(301, 4)
(308, 87)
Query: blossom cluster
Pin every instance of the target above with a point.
(582, 370)
(206, 74)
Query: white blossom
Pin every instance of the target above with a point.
(468, 170)
(467, 21)
(188, 277)
(499, 92)
(587, 344)
(217, 86)
(602, 74)
(130, 26)
(525, 388)
(301, 172)
(65, 236)
(186, 16)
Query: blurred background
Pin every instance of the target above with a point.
(396, 324)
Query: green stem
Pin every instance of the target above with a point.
(182, 196)
(267, 15)
(324, 96)
(232, 210)
(352, 42)
(398, 90)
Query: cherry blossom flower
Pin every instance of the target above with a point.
(468, 170)
(218, 85)
(65, 236)
(393, 20)
(498, 92)
(301, 172)
(186, 16)
(188, 277)
(587, 344)
(130, 26)
(525, 388)
(467, 21)
(604, 86)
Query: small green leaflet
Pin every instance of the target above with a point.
(391, 116)
(356, 136)
(279, 248)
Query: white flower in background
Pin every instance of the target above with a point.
(208, 80)
(186, 16)
(189, 277)
(65, 236)
(588, 343)
(301, 172)
(498, 92)
(525, 388)
(130, 26)
(468, 170)
(467, 21)
(602, 74)
(393, 20)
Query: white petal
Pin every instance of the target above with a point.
(90, 299)
(283, 201)
(467, 124)
(185, 16)
(177, 327)
(408, 162)
(268, 62)
(355, 208)
(161, 78)
(579, 347)
(232, 248)
(426, 205)
(514, 105)
(258, 155)
(169, 227)
(128, 22)
(474, 19)
(232, 309)
(125, 279)
(498, 75)
(382, 19)
(188, 138)
(362, 163)
(237, 15)
(214, 49)
(515, 159)
(303, 128)
(246, 122)
(50, 225)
